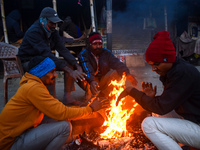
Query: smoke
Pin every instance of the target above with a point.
(129, 20)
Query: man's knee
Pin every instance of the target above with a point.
(148, 125)
(66, 127)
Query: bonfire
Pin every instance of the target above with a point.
(118, 116)
(116, 135)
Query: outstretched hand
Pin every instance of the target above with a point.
(131, 78)
(77, 75)
(123, 94)
(148, 89)
(78, 67)
(99, 103)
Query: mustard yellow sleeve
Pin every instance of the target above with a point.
(39, 96)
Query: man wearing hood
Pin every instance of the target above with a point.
(70, 28)
(13, 26)
(20, 120)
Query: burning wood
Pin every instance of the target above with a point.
(116, 133)
(117, 116)
(92, 141)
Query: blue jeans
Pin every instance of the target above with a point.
(50, 136)
(166, 133)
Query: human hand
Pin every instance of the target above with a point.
(99, 103)
(78, 67)
(148, 89)
(123, 94)
(132, 79)
(77, 75)
(94, 87)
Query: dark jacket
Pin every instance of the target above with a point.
(181, 93)
(36, 42)
(106, 62)
(13, 26)
(69, 27)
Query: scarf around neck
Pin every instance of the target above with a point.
(43, 21)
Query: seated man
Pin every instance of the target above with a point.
(39, 40)
(20, 119)
(13, 26)
(101, 66)
(69, 31)
(181, 93)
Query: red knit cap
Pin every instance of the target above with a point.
(95, 37)
(161, 49)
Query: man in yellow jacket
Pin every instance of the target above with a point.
(20, 120)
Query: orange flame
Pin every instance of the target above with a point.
(117, 117)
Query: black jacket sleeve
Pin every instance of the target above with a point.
(176, 93)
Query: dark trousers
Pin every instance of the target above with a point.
(103, 82)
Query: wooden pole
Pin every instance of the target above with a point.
(4, 21)
(54, 5)
(55, 8)
(92, 15)
(109, 25)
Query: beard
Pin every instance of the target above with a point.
(53, 78)
(97, 51)
(52, 29)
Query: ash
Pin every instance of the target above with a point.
(136, 140)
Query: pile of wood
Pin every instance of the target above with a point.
(135, 141)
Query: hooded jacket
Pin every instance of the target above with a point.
(69, 27)
(26, 109)
(13, 26)
(36, 43)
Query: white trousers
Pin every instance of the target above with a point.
(166, 133)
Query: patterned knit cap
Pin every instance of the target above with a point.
(42, 68)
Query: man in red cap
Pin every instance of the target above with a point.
(181, 93)
(101, 66)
